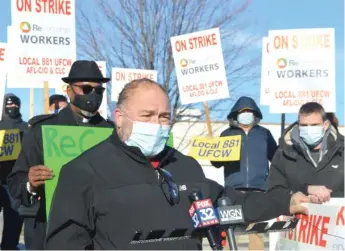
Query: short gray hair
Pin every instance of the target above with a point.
(135, 84)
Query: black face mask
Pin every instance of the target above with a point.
(12, 112)
(88, 102)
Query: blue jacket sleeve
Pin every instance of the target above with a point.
(271, 146)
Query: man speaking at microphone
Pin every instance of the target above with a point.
(131, 191)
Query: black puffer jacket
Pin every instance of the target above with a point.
(10, 123)
(294, 168)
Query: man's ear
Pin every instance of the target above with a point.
(69, 91)
(327, 124)
(118, 117)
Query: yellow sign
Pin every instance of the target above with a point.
(216, 149)
(10, 144)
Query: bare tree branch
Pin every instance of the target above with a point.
(136, 34)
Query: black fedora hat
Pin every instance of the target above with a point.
(83, 70)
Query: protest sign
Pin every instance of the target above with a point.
(3, 72)
(43, 41)
(302, 69)
(323, 228)
(61, 144)
(170, 141)
(10, 144)
(216, 149)
(3, 52)
(122, 76)
(200, 66)
(265, 81)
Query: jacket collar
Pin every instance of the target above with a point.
(291, 143)
(66, 115)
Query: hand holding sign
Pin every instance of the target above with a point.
(296, 201)
(38, 175)
(322, 193)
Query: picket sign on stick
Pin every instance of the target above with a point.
(46, 97)
(32, 92)
(208, 119)
(44, 42)
(122, 76)
(200, 69)
(301, 69)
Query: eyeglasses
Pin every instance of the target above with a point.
(169, 187)
(88, 89)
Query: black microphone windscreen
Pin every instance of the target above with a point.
(195, 195)
(223, 201)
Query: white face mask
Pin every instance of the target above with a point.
(312, 135)
(148, 137)
(245, 118)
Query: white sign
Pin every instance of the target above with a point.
(122, 76)
(200, 66)
(323, 228)
(265, 82)
(3, 54)
(302, 69)
(43, 41)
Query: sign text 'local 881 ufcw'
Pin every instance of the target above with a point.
(44, 41)
(199, 66)
(301, 69)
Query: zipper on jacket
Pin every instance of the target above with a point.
(247, 171)
(247, 161)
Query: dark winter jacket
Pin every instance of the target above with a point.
(258, 147)
(118, 193)
(33, 208)
(10, 123)
(294, 168)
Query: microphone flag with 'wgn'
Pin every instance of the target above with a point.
(228, 216)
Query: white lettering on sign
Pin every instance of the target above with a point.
(203, 203)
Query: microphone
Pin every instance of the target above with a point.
(229, 215)
(204, 216)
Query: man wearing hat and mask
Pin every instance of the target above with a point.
(11, 119)
(26, 182)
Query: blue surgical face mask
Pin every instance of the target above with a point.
(245, 118)
(311, 135)
(148, 137)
